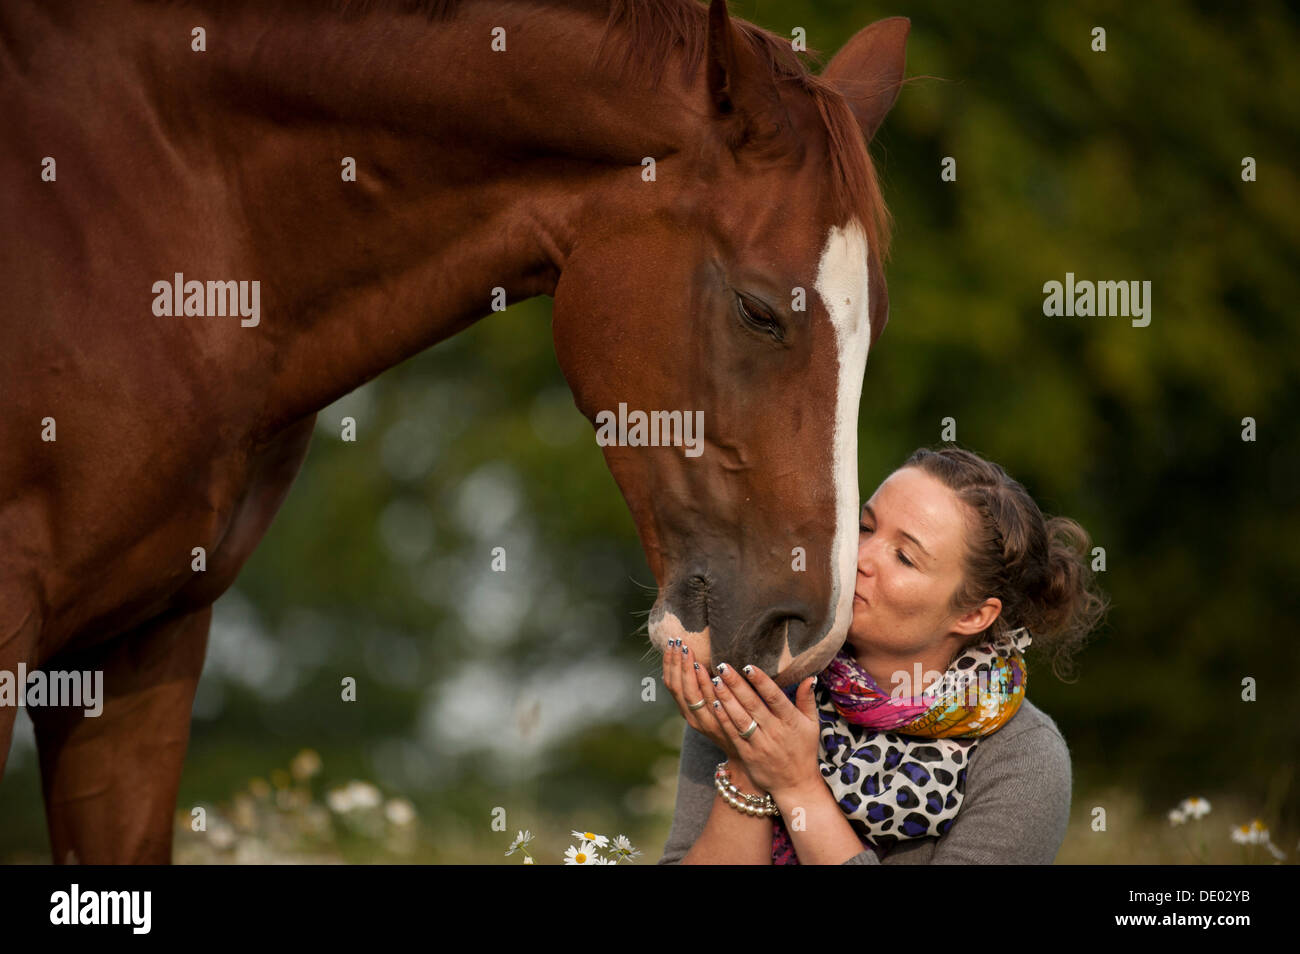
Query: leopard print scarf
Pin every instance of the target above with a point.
(897, 767)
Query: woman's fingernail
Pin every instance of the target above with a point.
(697, 665)
(716, 703)
(722, 668)
(683, 650)
(749, 670)
(717, 680)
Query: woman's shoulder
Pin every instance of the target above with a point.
(1031, 737)
(1018, 794)
(1027, 719)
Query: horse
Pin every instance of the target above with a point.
(227, 215)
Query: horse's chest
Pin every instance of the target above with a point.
(206, 527)
(261, 489)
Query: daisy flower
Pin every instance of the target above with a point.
(624, 848)
(339, 800)
(1253, 834)
(365, 795)
(584, 854)
(399, 811)
(522, 840)
(600, 841)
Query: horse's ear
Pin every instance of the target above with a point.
(868, 70)
(742, 92)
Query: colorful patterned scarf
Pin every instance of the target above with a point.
(897, 767)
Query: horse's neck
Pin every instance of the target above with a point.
(475, 170)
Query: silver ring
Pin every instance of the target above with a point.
(695, 705)
(750, 731)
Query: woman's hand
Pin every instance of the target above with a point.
(688, 681)
(782, 754)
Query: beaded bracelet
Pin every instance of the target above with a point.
(754, 805)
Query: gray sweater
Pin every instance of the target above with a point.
(1015, 809)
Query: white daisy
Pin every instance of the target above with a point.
(600, 841)
(522, 840)
(624, 847)
(1177, 816)
(1195, 807)
(400, 812)
(365, 795)
(339, 800)
(584, 854)
(1253, 834)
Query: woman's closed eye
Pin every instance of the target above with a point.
(902, 558)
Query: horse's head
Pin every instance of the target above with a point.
(743, 293)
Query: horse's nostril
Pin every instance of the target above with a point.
(780, 629)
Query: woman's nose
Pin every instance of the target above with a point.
(866, 555)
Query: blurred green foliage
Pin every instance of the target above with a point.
(523, 690)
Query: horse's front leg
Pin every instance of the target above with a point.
(110, 781)
(20, 630)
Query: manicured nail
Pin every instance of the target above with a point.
(683, 650)
(722, 667)
(697, 665)
(717, 680)
(716, 704)
(749, 670)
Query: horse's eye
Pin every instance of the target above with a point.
(759, 318)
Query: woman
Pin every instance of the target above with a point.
(956, 567)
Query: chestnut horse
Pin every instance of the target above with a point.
(700, 205)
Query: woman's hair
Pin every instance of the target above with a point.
(1036, 566)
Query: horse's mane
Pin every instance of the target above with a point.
(651, 29)
(638, 43)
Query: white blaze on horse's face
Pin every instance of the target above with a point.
(842, 283)
(842, 274)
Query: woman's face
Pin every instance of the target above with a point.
(911, 544)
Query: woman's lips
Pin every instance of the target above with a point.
(859, 599)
